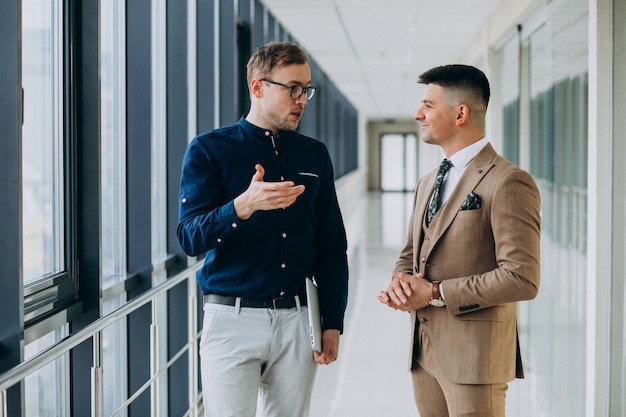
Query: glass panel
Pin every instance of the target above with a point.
(159, 188)
(113, 125)
(114, 360)
(552, 327)
(391, 164)
(42, 139)
(113, 134)
(159, 132)
(398, 163)
(46, 391)
(163, 350)
(410, 161)
(509, 89)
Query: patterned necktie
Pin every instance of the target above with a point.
(433, 206)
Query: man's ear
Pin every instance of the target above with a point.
(256, 88)
(463, 114)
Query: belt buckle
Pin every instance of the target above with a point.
(274, 302)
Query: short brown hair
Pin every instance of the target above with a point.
(272, 55)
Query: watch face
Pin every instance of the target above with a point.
(437, 302)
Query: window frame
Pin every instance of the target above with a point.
(57, 292)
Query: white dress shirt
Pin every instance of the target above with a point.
(459, 161)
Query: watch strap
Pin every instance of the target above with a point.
(436, 294)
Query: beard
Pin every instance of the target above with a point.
(281, 122)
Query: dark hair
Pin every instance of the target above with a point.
(465, 79)
(272, 55)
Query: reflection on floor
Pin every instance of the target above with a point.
(371, 379)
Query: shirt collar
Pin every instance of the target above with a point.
(465, 155)
(260, 132)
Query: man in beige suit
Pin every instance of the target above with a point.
(472, 252)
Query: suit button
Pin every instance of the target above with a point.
(423, 260)
(423, 320)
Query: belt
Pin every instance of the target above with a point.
(276, 303)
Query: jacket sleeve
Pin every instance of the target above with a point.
(514, 219)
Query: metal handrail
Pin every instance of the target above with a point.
(21, 371)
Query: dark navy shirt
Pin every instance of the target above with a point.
(272, 252)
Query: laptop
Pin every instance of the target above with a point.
(315, 322)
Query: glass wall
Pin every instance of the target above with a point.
(553, 326)
(113, 190)
(47, 391)
(112, 93)
(45, 208)
(508, 58)
(43, 140)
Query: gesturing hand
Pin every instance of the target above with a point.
(262, 195)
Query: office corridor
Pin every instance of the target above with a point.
(370, 378)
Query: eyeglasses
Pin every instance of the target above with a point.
(296, 90)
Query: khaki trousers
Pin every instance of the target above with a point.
(436, 396)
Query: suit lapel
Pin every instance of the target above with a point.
(473, 174)
(423, 198)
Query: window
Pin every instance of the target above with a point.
(509, 88)
(113, 137)
(46, 166)
(113, 192)
(43, 141)
(398, 162)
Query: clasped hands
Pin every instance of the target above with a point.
(407, 292)
(262, 195)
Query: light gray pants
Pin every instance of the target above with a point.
(256, 355)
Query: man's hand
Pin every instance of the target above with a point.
(262, 195)
(407, 292)
(330, 347)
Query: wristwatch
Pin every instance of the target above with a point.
(435, 298)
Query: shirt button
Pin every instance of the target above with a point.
(284, 235)
(282, 178)
(219, 240)
(283, 266)
(184, 200)
(267, 133)
(234, 225)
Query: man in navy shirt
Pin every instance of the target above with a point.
(259, 200)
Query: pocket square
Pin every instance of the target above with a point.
(472, 202)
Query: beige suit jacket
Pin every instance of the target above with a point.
(487, 259)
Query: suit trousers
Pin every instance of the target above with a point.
(256, 358)
(437, 396)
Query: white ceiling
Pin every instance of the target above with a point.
(374, 50)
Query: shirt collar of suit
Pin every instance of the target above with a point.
(460, 160)
(465, 155)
